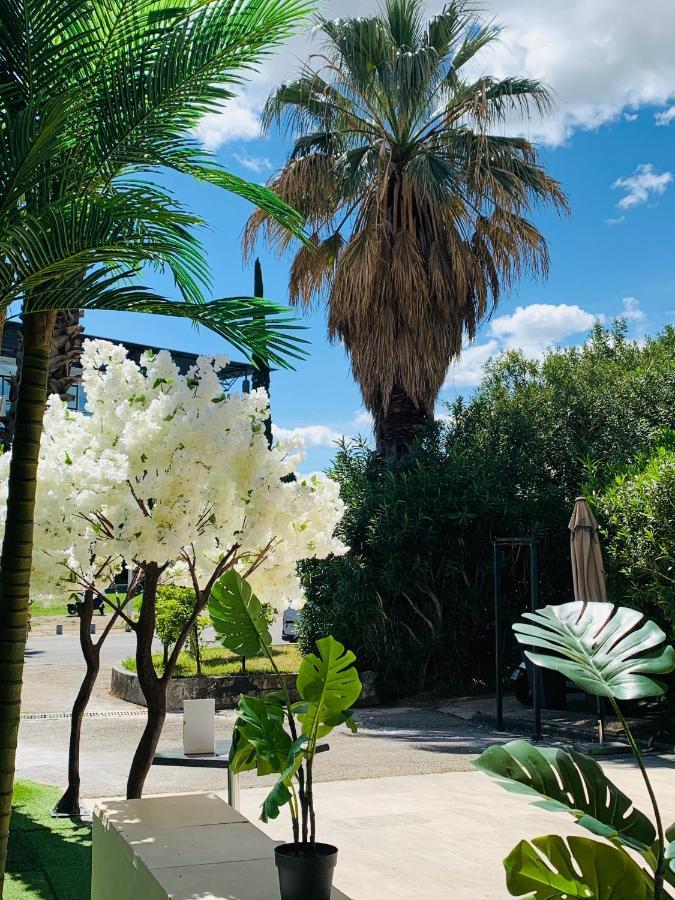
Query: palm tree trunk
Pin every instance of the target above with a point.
(17, 550)
(154, 689)
(398, 425)
(69, 804)
(261, 374)
(65, 352)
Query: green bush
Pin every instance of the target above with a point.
(413, 597)
(637, 512)
(175, 606)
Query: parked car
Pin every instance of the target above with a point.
(288, 625)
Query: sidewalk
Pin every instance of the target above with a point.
(434, 837)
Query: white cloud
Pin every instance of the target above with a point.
(326, 435)
(531, 328)
(239, 120)
(535, 327)
(257, 164)
(362, 421)
(665, 117)
(468, 369)
(630, 117)
(601, 58)
(616, 221)
(631, 310)
(640, 186)
(309, 435)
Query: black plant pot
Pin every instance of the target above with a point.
(305, 870)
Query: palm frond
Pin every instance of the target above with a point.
(254, 326)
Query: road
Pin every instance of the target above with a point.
(391, 741)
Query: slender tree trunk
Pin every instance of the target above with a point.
(197, 651)
(153, 687)
(69, 804)
(397, 427)
(261, 374)
(17, 551)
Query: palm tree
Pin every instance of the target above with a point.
(95, 92)
(416, 197)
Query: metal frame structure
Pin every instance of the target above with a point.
(498, 545)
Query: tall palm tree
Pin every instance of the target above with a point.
(416, 196)
(92, 93)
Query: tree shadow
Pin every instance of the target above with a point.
(47, 859)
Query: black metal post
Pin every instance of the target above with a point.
(534, 606)
(499, 687)
(532, 545)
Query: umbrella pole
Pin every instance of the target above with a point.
(601, 721)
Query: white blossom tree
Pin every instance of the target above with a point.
(169, 475)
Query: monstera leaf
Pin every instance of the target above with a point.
(237, 616)
(573, 783)
(599, 647)
(281, 792)
(670, 852)
(260, 739)
(328, 685)
(550, 868)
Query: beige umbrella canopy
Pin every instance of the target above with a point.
(588, 573)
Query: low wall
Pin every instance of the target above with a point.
(224, 689)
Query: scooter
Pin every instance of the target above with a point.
(75, 609)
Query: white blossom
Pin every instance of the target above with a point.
(161, 465)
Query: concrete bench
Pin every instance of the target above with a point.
(180, 847)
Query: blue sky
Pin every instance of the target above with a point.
(611, 141)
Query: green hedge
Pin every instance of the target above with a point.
(413, 597)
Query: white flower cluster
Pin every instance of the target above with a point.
(162, 464)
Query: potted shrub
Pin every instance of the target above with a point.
(275, 735)
(611, 652)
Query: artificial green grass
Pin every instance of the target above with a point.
(218, 661)
(47, 859)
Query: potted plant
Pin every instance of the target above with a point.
(275, 735)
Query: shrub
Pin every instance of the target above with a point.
(413, 597)
(175, 606)
(637, 512)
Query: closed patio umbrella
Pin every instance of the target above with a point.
(588, 572)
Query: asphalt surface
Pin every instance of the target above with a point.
(390, 741)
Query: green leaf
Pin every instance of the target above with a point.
(670, 849)
(551, 868)
(569, 782)
(281, 793)
(599, 647)
(260, 727)
(329, 685)
(238, 616)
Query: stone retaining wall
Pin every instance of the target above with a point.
(224, 689)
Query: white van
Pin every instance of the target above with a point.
(288, 625)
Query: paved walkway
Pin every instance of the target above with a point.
(412, 818)
(439, 837)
